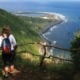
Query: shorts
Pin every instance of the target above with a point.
(8, 59)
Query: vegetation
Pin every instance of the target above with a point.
(23, 28)
(76, 54)
(37, 22)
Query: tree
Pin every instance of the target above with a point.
(75, 44)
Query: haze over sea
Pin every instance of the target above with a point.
(62, 33)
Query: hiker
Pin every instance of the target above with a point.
(8, 52)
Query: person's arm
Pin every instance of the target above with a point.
(14, 43)
(0, 41)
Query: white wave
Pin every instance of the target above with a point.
(51, 29)
(62, 17)
(54, 42)
(47, 33)
(45, 37)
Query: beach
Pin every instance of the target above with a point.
(55, 17)
(56, 20)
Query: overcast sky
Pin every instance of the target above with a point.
(35, 0)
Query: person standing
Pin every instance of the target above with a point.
(8, 57)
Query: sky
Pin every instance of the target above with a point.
(34, 0)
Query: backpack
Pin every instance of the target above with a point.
(6, 45)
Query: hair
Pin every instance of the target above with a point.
(6, 30)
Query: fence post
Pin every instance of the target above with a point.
(42, 57)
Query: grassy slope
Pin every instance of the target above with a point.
(17, 25)
(24, 29)
(19, 28)
(37, 23)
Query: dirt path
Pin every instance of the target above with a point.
(28, 74)
(36, 74)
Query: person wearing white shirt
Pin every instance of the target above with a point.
(8, 59)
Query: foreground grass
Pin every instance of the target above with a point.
(28, 65)
(57, 71)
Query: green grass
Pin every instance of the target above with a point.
(25, 29)
(37, 22)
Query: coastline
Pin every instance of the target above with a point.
(60, 19)
(44, 41)
(46, 28)
(55, 17)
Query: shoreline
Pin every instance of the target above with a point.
(45, 29)
(44, 41)
(52, 24)
(55, 17)
(55, 22)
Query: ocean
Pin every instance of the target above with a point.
(62, 33)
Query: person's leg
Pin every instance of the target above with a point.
(5, 61)
(12, 58)
(6, 70)
(12, 69)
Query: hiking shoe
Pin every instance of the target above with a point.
(10, 74)
(6, 76)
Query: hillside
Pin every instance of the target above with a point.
(24, 29)
(17, 25)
